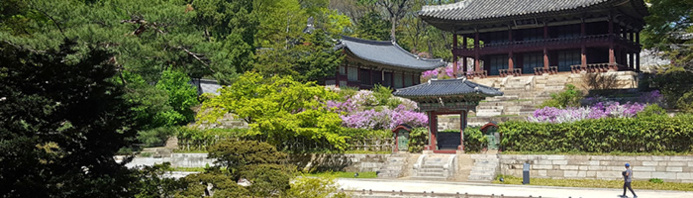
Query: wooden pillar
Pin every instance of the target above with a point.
(432, 130)
(510, 54)
(463, 126)
(637, 57)
(464, 66)
(612, 59)
(583, 50)
(477, 67)
(546, 52)
(454, 56)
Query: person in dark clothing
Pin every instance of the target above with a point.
(627, 179)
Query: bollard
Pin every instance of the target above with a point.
(342, 189)
(401, 193)
(466, 195)
(393, 192)
(370, 191)
(493, 195)
(502, 196)
(457, 195)
(530, 195)
(424, 194)
(363, 192)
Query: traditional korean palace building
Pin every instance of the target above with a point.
(369, 62)
(524, 37)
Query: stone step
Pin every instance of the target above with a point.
(436, 178)
(431, 174)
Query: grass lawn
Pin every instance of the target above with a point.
(589, 183)
(362, 175)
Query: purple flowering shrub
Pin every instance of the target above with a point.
(653, 97)
(597, 111)
(363, 111)
(384, 119)
(440, 73)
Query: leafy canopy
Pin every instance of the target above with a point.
(62, 119)
(279, 108)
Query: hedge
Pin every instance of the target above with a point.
(641, 134)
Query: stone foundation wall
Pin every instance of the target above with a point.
(318, 162)
(667, 168)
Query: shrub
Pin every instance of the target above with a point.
(235, 154)
(569, 98)
(314, 187)
(155, 137)
(656, 181)
(640, 134)
(652, 110)
(673, 84)
(597, 111)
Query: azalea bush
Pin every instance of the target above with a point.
(597, 111)
(377, 109)
(446, 72)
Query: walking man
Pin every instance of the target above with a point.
(627, 178)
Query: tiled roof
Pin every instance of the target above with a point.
(485, 9)
(388, 53)
(209, 86)
(446, 87)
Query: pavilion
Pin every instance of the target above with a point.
(526, 37)
(450, 96)
(370, 62)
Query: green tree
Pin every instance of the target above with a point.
(235, 155)
(182, 96)
(373, 27)
(279, 108)
(62, 119)
(668, 29)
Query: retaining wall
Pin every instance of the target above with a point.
(667, 168)
(318, 162)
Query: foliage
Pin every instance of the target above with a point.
(377, 110)
(418, 139)
(652, 110)
(150, 182)
(222, 185)
(674, 84)
(569, 98)
(268, 179)
(667, 25)
(593, 183)
(181, 95)
(155, 137)
(639, 134)
(280, 109)
(61, 122)
(655, 180)
(236, 154)
(310, 187)
(686, 102)
(372, 26)
(340, 174)
(596, 111)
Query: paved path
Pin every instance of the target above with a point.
(497, 189)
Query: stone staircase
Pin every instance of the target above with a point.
(485, 168)
(435, 167)
(521, 95)
(394, 166)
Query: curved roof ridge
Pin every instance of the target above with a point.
(388, 53)
(450, 6)
(366, 41)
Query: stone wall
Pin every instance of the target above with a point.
(667, 168)
(317, 162)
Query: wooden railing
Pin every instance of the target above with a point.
(477, 74)
(508, 72)
(595, 67)
(554, 41)
(542, 70)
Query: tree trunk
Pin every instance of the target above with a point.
(392, 31)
